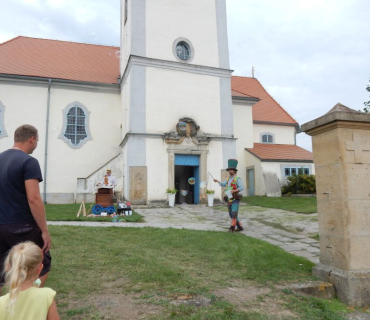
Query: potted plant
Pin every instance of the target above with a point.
(210, 196)
(171, 196)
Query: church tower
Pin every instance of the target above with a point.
(174, 70)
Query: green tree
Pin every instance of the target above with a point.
(367, 103)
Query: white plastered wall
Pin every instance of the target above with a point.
(125, 48)
(125, 106)
(283, 134)
(275, 167)
(243, 131)
(104, 129)
(157, 164)
(168, 20)
(214, 166)
(24, 104)
(172, 94)
(125, 116)
(253, 162)
(28, 103)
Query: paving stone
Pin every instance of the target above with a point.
(358, 316)
(313, 250)
(309, 240)
(290, 248)
(307, 255)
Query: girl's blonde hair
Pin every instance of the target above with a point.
(20, 265)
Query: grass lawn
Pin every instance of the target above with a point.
(131, 273)
(68, 212)
(295, 204)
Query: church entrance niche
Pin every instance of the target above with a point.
(186, 167)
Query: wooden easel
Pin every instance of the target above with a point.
(82, 208)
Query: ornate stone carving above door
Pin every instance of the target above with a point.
(186, 129)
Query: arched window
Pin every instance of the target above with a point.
(2, 126)
(267, 138)
(75, 130)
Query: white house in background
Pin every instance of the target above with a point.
(157, 111)
(271, 154)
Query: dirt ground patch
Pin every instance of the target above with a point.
(123, 307)
(112, 307)
(257, 299)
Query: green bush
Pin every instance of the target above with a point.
(300, 184)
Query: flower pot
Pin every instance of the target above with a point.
(210, 199)
(171, 199)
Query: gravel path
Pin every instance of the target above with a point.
(288, 230)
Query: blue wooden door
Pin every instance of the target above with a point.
(251, 182)
(190, 161)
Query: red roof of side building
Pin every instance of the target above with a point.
(56, 59)
(280, 152)
(267, 109)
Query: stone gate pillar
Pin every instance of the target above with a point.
(341, 152)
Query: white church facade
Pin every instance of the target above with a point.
(162, 108)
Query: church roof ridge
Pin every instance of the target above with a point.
(244, 94)
(276, 101)
(55, 59)
(244, 77)
(57, 40)
(10, 40)
(267, 109)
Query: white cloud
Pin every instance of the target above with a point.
(309, 54)
(31, 2)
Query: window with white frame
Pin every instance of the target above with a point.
(289, 171)
(75, 130)
(2, 126)
(183, 50)
(267, 137)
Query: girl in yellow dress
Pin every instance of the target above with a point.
(24, 299)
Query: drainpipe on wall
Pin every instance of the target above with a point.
(46, 140)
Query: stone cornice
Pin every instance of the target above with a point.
(337, 124)
(245, 99)
(60, 83)
(337, 119)
(173, 65)
(172, 138)
(275, 123)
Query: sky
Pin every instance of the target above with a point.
(308, 54)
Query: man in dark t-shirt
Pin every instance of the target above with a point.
(22, 212)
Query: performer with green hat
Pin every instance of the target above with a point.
(233, 186)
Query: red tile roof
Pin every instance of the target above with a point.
(267, 109)
(280, 152)
(59, 60)
(236, 93)
(56, 59)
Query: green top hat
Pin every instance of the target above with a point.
(232, 164)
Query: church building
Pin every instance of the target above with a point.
(158, 110)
